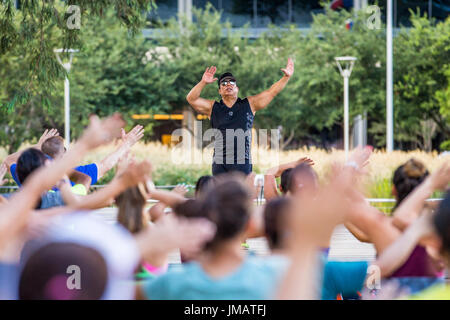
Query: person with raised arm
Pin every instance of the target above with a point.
(232, 117)
(52, 145)
(15, 213)
(283, 171)
(310, 221)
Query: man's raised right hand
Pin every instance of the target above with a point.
(208, 76)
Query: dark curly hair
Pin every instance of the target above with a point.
(407, 177)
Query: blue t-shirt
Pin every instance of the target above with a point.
(90, 169)
(9, 279)
(345, 278)
(255, 279)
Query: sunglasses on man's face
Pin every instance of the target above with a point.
(230, 82)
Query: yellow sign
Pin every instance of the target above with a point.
(165, 116)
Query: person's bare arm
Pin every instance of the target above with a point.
(256, 223)
(270, 184)
(378, 228)
(3, 170)
(270, 187)
(298, 282)
(398, 252)
(67, 195)
(311, 223)
(278, 170)
(172, 233)
(252, 181)
(171, 199)
(80, 178)
(262, 100)
(12, 158)
(54, 211)
(356, 232)
(157, 210)
(133, 174)
(201, 105)
(364, 221)
(128, 140)
(412, 205)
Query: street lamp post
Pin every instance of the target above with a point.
(66, 66)
(389, 81)
(345, 65)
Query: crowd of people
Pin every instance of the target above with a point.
(52, 247)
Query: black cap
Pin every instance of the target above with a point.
(226, 76)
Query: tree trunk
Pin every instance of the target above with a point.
(286, 142)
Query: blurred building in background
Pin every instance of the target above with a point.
(260, 14)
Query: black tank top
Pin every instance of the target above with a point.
(233, 134)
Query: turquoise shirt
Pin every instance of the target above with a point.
(345, 278)
(255, 279)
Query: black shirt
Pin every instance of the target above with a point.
(233, 134)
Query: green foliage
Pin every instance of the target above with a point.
(111, 74)
(422, 78)
(443, 96)
(445, 145)
(312, 101)
(117, 70)
(381, 188)
(40, 26)
(172, 175)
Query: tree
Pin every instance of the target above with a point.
(111, 73)
(36, 26)
(443, 97)
(312, 101)
(421, 56)
(117, 72)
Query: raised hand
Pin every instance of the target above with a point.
(360, 156)
(47, 134)
(189, 235)
(123, 163)
(316, 217)
(136, 173)
(289, 70)
(208, 76)
(101, 132)
(133, 136)
(441, 177)
(306, 160)
(180, 189)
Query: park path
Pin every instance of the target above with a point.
(344, 246)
